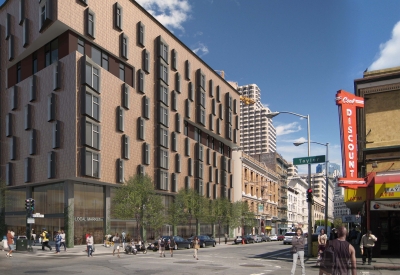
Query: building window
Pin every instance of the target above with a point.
(81, 46)
(199, 169)
(163, 94)
(174, 59)
(190, 91)
(124, 45)
(203, 99)
(164, 72)
(214, 107)
(125, 147)
(34, 63)
(125, 95)
(57, 76)
(18, 72)
(92, 106)
(56, 134)
(178, 123)
(163, 137)
(51, 105)
(121, 165)
(45, 13)
(185, 129)
(32, 142)
(163, 116)
(163, 49)
(174, 185)
(218, 94)
(28, 169)
(28, 116)
(174, 96)
(122, 71)
(178, 163)
(141, 126)
(141, 81)
(120, 118)
(199, 151)
(51, 52)
(163, 180)
(91, 23)
(93, 76)
(202, 116)
(188, 109)
(190, 167)
(9, 174)
(8, 26)
(211, 87)
(146, 61)
(197, 134)
(13, 148)
(92, 164)
(187, 69)
(221, 111)
(118, 16)
(141, 170)
(146, 104)
(212, 143)
(141, 30)
(96, 55)
(163, 158)
(187, 147)
(146, 153)
(178, 82)
(92, 134)
(51, 165)
(203, 81)
(174, 144)
(11, 47)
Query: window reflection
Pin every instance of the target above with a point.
(49, 199)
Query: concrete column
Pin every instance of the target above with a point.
(107, 210)
(69, 206)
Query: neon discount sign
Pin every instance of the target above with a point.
(348, 104)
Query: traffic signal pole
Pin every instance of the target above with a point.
(30, 208)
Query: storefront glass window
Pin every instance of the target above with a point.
(15, 200)
(49, 199)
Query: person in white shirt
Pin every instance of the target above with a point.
(63, 240)
(89, 243)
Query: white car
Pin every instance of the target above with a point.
(273, 237)
(288, 238)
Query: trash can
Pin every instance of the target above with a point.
(22, 244)
(315, 249)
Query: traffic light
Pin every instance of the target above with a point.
(309, 196)
(32, 204)
(28, 204)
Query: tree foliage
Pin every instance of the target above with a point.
(337, 222)
(220, 213)
(136, 199)
(241, 215)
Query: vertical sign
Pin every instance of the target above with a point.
(348, 104)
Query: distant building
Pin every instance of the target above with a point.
(334, 169)
(258, 134)
(340, 207)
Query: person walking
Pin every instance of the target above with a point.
(161, 246)
(196, 246)
(226, 238)
(33, 236)
(63, 240)
(298, 243)
(117, 243)
(171, 244)
(89, 244)
(45, 239)
(10, 241)
(367, 243)
(322, 239)
(123, 235)
(57, 239)
(344, 253)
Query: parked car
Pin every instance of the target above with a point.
(280, 237)
(204, 241)
(179, 241)
(273, 237)
(250, 239)
(265, 238)
(238, 240)
(257, 238)
(288, 238)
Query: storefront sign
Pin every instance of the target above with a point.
(386, 205)
(355, 195)
(348, 104)
(88, 219)
(268, 227)
(351, 218)
(387, 190)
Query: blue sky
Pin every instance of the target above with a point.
(298, 52)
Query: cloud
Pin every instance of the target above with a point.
(170, 13)
(389, 55)
(285, 129)
(198, 34)
(200, 49)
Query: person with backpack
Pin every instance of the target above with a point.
(58, 239)
(339, 255)
(171, 244)
(297, 250)
(45, 239)
(367, 244)
(161, 246)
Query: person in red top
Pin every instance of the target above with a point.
(10, 241)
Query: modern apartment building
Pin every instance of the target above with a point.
(260, 190)
(94, 92)
(258, 134)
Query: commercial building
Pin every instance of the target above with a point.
(94, 92)
(258, 134)
(260, 191)
(378, 128)
(297, 204)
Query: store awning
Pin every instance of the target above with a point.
(387, 185)
(387, 177)
(268, 228)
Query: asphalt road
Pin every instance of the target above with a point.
(250, 259)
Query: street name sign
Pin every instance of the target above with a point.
(38, 215)
(351, 218)
(30, 220)
(309, 160)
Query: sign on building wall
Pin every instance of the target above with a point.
(351, 218)
(348, 104)
(355, 195)
(385, 205)
(387, 191)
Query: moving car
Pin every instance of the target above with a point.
(273, 237)
(204, 241)
(179, 241)
(288, 238)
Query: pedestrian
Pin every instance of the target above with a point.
(123, 235)
(226, 238)
(10, 241)
(344, 253)
(33, 236)
(86, 235)
(117, 243)
(298, 243)
(45, 239)
(196, 247)
(63, 240)
(367, 243)
(171, 244)
(57, 239)
(334, 234)
(322, 239)
(161, 246)
(89, 245)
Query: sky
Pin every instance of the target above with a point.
(300, 53)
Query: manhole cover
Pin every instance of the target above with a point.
(251, 265)
(36, 271)
(185, 262)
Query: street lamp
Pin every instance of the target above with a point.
(310, 208)
(327, 177)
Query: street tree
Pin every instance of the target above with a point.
(137, 199)
(337, 222)
(241, 215)
(219, 213)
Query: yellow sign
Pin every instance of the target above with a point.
(355, 195)
(268, 227)
(386, 191)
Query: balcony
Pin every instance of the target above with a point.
(284, 197)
